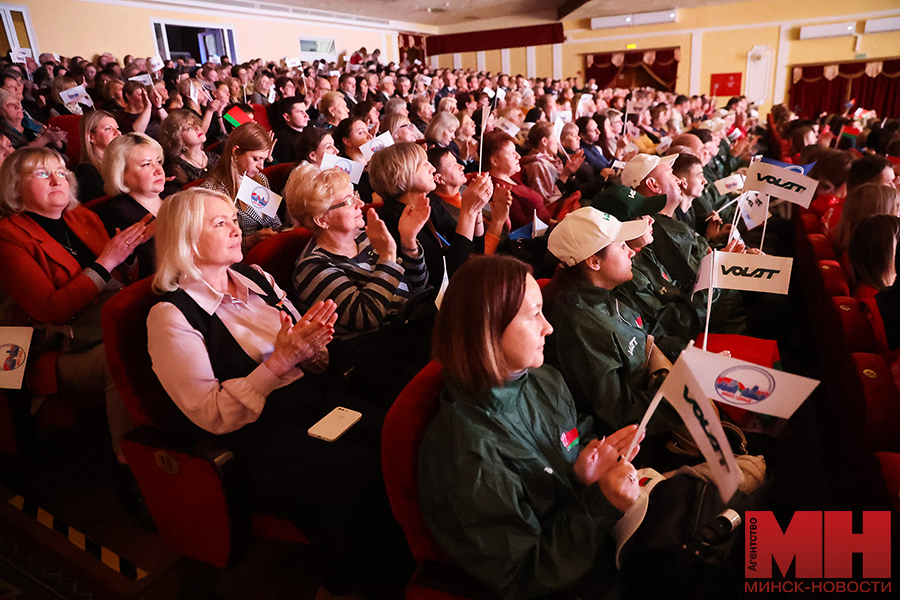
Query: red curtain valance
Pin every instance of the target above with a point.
(873, 84)
(495, 39)
(661, 64)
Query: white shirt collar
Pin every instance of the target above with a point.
(209, 298)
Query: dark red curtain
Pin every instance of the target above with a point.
(812, 93)
(881, 93)
(495, 39)
(661, 65)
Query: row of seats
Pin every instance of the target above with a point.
(864, 402)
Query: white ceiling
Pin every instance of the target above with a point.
(468, 13)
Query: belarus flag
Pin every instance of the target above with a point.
(237, 117)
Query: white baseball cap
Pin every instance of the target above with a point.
(641, 165)
(586, 231)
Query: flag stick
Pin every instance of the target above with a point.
(643, 426)
(709, 295)
(484, 119)
(766, 222)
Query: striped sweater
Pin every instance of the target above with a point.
(365, 288)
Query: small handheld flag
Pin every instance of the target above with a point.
(237, 117)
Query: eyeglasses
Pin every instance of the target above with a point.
(45, 174)
(354, 197)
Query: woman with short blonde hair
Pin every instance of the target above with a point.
(393, 173)
(133, 172)
(238, 373)
(402, 130)
(441, 130)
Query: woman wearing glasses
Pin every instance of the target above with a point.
(58, 267)
(354, 261)
(182, 139)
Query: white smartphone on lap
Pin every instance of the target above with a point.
(335, 424)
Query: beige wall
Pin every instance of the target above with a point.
(72, 27)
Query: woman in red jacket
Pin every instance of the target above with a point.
(58, 268)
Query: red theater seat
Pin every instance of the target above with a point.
(185, 483)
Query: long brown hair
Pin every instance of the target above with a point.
(483, 298)
(249, 137)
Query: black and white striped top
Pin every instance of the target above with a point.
(365, 288)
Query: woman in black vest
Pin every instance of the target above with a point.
(239, 362)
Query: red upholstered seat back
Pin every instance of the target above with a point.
(278, 255)
(404, 428)
(278, 176)
(261, 116)
(821, 246)
(69, 124)
(124, 323)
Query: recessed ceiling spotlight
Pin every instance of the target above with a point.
(628, 19)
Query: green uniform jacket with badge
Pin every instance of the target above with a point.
(499, 493)
(681, 250)
(665, 309)
(600, 348)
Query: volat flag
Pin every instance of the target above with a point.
(790, 167)
(687, 396)
(746, 385)
(262, 199)
(782, 183)
(754, 210)
(375, 144)
(664, 144)
(350, 167)
(15, 343)
(750, 272)
(237, 117)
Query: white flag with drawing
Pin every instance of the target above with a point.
(15, 343)
(507, 126)
(293, 62)
(157, 63)
(664, 144)
(538, 227)
(375, 144)
(732, 183)
(76, 94)
(747, 385)
(687, 396)
(143, 79)
(779, 182)
(350, 167)
(262, 199)
(489, 92)
(750, 272)
(565, 115)
(19, 55)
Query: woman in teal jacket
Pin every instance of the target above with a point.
(511, 483)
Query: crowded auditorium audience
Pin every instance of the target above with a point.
(424, 248)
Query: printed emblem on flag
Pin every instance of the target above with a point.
(259, 197)
(570, 438)
(13, 357)
(745, 383)
(376, 146)
(344, 165)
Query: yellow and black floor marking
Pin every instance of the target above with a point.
(109, 558)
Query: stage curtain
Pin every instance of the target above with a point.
(812, 93)
(661, 64)
(495, 39)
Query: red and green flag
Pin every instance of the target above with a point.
(237, 117)
(849, 132)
